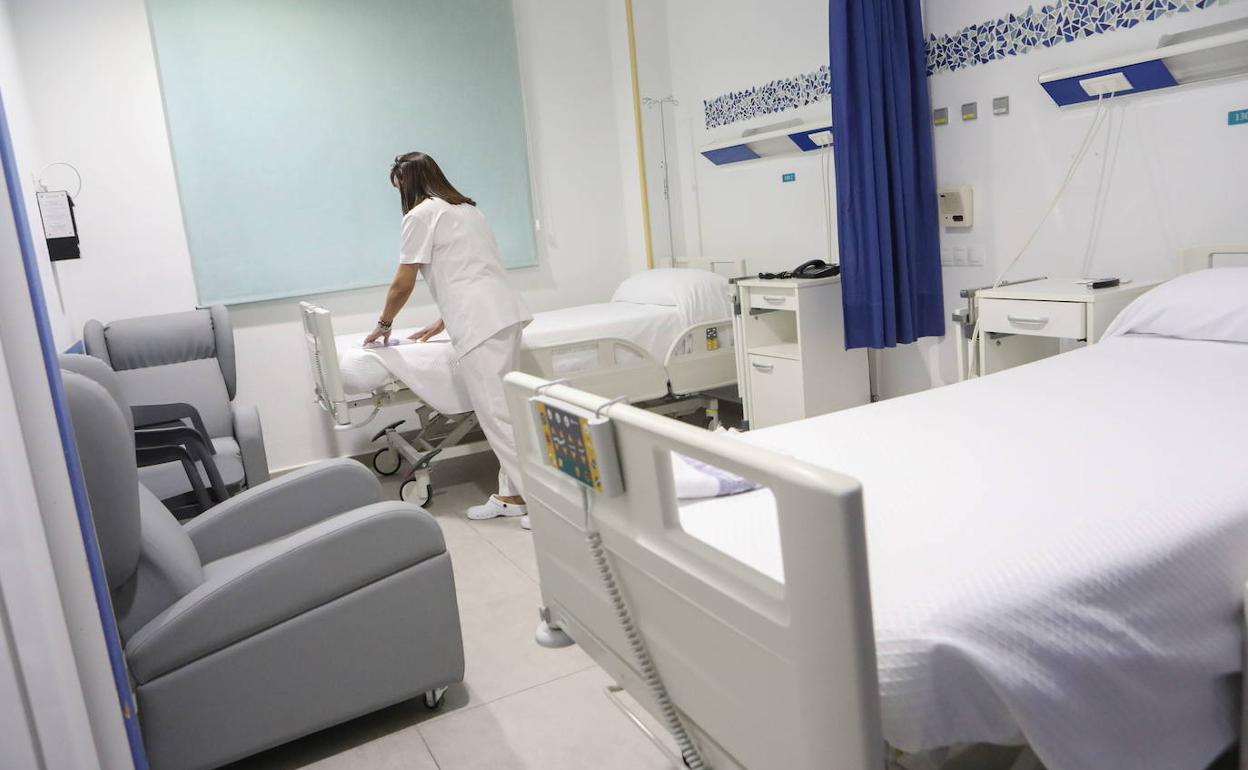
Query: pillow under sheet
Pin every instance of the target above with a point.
(1204, 305)
(699, 295)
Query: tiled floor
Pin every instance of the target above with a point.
(521, 706)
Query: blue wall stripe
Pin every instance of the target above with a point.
(96, 567)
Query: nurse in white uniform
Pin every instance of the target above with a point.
(446, 237)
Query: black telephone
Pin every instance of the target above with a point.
(815, 268)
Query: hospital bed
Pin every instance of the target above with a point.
(674, 355)
(1072, 579)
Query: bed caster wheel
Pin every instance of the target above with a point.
(418, 490)
(387, 462)
(434, 698)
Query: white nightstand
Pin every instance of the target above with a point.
(1051, 310)
(791, 354)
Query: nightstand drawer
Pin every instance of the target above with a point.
(773, 299)
(1038, 318)
(775, 390)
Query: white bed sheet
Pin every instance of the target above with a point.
(1058, 552)
(428, 369)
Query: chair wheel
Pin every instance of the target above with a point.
(434, 698)
(386, 461)
(418, 490)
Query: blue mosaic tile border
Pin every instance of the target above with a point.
(1061, 22)
(1011, 35)
(776, 96)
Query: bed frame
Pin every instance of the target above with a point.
(684, 382)
(762, 675)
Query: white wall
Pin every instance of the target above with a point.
(716, 46)
(1176, 180)
(1171, 184)
(26, 148)
(99, 107)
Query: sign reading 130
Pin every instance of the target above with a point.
(1236, 117)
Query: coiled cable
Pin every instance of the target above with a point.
(649, 673)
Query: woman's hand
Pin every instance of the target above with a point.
(429, 331)
(379, 333)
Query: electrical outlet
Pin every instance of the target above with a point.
(976, 256)
(960, 256)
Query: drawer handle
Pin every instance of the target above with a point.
(764, 367)
(774, 299)
(1028, 320)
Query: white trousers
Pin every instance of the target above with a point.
(481, 370)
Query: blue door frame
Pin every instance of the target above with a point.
(47, 347)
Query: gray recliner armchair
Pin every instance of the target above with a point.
(298, 604)
(185, 360)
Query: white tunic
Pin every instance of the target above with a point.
(459, 258)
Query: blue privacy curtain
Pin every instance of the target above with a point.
(885, 176)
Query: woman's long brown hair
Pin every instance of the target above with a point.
(419, 177)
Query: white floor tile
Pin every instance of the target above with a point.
(500, 655)
(566, 724)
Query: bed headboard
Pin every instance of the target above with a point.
(1206, 255)
(729, 268)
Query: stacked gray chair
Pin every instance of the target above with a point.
(298, 604)
(185, 358)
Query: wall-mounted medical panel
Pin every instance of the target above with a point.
(784, 140)
(1208, 53)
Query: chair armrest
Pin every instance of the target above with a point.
(250, 438)
(193, 442)
(168, 453)
(149, 415)
(256, 591)
(284, 505)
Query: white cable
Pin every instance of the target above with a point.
(1109, 163)
(649, 673)
(44, 188)
(825, 172)
(1080, 154)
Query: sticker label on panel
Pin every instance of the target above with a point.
(712, 338)
(1236, 117)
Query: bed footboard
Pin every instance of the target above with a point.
(702, 359)
(762, 674)
(318, 335)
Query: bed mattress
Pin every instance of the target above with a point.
(1058, 552)
(428, 368)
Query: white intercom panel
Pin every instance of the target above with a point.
(957, 206)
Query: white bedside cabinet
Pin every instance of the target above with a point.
(1051, 309)
(791, 351)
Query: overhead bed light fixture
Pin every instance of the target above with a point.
(1198, 55)
(791, 136)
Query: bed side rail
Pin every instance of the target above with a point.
(608, 366)
(702, 358)
(318, 335)
(764, 675)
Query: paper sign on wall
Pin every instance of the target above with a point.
(56, 210)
